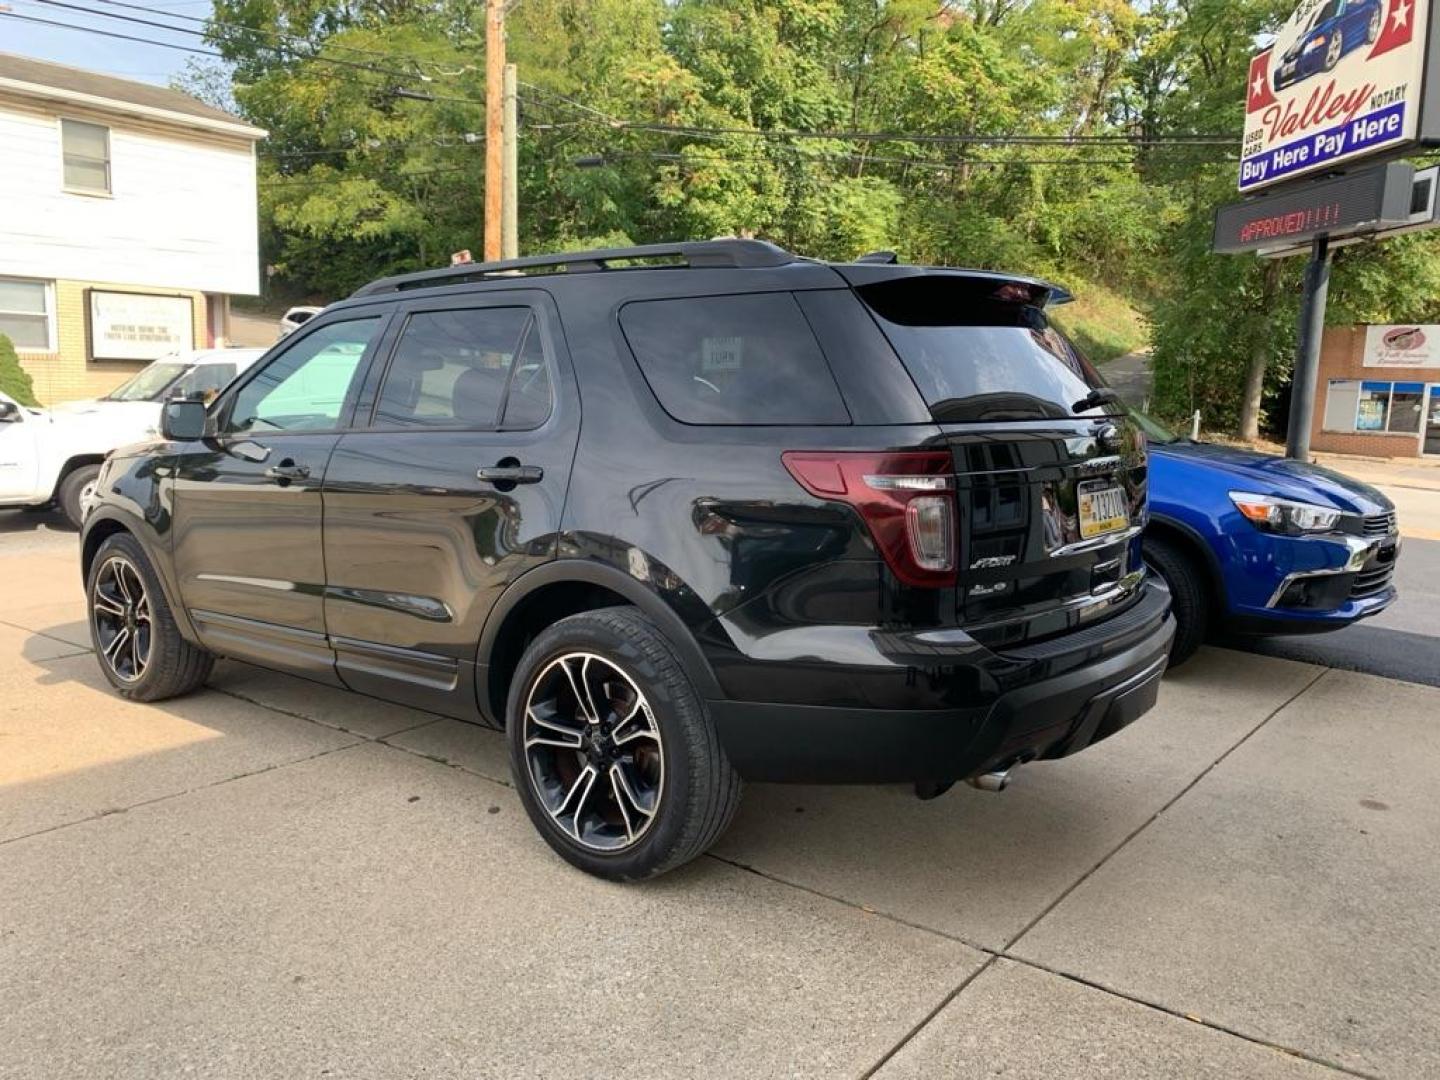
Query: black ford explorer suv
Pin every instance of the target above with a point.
(671, 516)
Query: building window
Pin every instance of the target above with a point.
(1369, 406)
(86, 148)
(25, 314)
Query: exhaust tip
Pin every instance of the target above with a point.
(998, 780)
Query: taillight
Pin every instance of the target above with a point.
(906, 499)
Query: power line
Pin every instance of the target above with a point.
(882, 136)
(109, 34)
(332, 180)
(279, 34)
(616, 123)
(370, 68)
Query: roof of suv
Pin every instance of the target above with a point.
(708, 254)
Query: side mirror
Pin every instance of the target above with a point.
(9, 412)
(183, 421)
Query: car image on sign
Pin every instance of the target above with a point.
(1337, 28)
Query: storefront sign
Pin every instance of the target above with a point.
(1409, 346)
(1365, 201)
(139, 326)
(1344, 80)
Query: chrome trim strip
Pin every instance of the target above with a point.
(254, 582)
(1360, 552)
(1096, 542)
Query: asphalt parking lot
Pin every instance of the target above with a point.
(271, 878)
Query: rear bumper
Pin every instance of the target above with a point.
(1050, 701)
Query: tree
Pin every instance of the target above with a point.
(14, 380)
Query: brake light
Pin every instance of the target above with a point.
(906, 499)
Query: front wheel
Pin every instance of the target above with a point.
(140, 649)
(612, 751)
(1188, 599)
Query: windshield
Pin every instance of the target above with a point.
(149, 384)
(978, 358)
(1155, 431)
(203, 380)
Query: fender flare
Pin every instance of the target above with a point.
(145, 535)
(1207, 553)
(561, 571)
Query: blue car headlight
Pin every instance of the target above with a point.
(1286, 517)
(1315, 43)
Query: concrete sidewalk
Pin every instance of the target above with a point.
(271, 878)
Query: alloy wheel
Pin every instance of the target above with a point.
(593, 750)
(1332, 54)
(120, 608)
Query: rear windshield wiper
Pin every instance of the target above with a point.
(1101, 395)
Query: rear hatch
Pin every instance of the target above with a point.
(1050, 475)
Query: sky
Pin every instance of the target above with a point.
(132, 60)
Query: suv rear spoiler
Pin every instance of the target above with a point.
(1040, 293)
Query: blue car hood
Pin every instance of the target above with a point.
(1265, 474)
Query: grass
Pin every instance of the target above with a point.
(1102, 322)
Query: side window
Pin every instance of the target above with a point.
(529, 401)
(305, 388)
(733, 360)
(451, 368)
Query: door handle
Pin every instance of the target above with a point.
(510, 474)
(287, 470)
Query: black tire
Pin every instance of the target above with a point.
(172, 666)
(1189, 591)
(698, 790)
(75, 482)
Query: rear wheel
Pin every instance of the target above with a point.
(77, 487)
(1372, 31)
(612, 751)
(1188, 594)
(139, 647)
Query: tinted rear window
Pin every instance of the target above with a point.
(733, 360)
(978, 357)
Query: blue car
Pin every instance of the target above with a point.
(1336, 28)
(1255, 544)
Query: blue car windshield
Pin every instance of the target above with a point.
(1155, 431)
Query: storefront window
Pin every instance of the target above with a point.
(1352, 405)
(1374, 407)
(1406, 405)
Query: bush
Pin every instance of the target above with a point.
(14, 380)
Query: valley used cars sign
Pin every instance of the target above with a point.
(1345, 79)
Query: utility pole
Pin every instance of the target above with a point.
(510, 230)
(1307, 360)
(494, 125)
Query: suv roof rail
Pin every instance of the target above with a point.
(696, 255)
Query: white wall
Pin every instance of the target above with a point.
(182, 215)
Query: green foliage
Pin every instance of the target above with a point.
(14, 380)
(359, 180)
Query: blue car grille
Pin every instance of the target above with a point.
(1379, 524)
(1372, 581)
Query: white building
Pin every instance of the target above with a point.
(127, 220)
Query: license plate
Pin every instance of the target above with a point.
(1102, 510)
